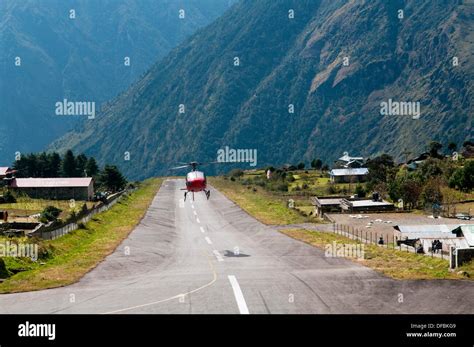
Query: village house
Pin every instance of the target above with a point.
(346, 204)
(349, 175)
(346, 161)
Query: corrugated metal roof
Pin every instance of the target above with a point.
(3, 170)
(368, 203)
(51, 182)
(426, 228)
(349, 172)
(347, 157)
(468, 232)
(330, 201)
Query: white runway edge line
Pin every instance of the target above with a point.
(202, 229)
(239, 297)
(208, 240)
(218, 255)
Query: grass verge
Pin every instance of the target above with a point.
(78, 252)
(262, 205)
(392, 263)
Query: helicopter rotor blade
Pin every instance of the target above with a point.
(179, 167)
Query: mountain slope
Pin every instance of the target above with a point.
(81, 59)
(296, 61)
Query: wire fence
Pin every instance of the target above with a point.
(383, 239)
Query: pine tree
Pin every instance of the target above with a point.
(68, 167)
(91, 167)
(81, 162)
(112, 179)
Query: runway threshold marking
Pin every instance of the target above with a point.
(197, 220)
(202, 229)
(195, 213)
(208, 240)
(218, 255)
(239, 297)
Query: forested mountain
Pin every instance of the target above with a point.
(76, 49)
(334, 62)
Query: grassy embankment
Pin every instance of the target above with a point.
(70, 257)
(268, 208)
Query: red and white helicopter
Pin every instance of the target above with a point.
(195, 180)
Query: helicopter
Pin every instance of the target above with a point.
(195, 180)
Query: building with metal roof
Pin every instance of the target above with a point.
(346, 161)
(79, 188)
(466, 231)
(348, 175)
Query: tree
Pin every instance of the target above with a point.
(452, 147)
(81, 162)
(42, 165)
(380, 169)
(91, 167)
(434, 148)
(112, 179)
(431, 168)
(316, 164)
(463, 178)
(469, 175)
(69, 167)
(54, 165)
(325, 167)
(410, 191)
(431, 193)
(301, 166)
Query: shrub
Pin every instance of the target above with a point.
(282, 187)
(236, 173)
(49, 214)
(4, 273)
(8, 198)
(360, 191)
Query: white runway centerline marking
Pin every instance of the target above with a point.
(197, 220)
(202, 229)
(239, 297)
(218, 255)
(208, 240)
(192, 206)
(195, 213)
